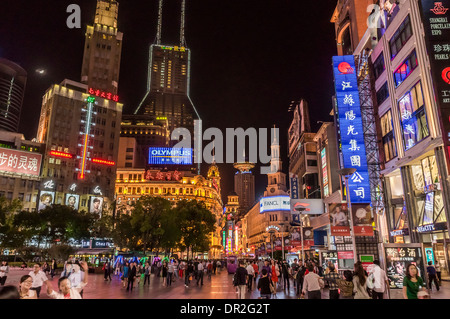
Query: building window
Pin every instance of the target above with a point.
(382, 93)
(378, 66)
(311, 162)
(390, 150)
(400, 37)
(129, 150)
(405, 69)
(413, 117)
(128, 164)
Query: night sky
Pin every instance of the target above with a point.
(250, 58)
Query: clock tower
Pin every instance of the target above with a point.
(276, 178)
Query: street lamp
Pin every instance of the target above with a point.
(301, 210)
(346, 173)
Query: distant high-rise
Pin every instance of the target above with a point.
(168, 81)
(12, 88)
(244, 185)
(102, 49)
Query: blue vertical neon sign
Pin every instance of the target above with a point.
(351, 127)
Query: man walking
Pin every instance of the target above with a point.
(432, 277)
(250, 274)
(260, 267)
(214, 266)
(285, 271)
(170, 271)
(131, 276)
(199, 276)
(332, 275)
(379, 279)
(240, 279)
(300, 276)
(147, 270)
(312, 284)
(39, 278)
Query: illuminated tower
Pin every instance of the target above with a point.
(168, 81)
(276, 178)
(244, 185)
(102, 49)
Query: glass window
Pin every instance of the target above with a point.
(400, 37)
(389, 148)
(378, 66)
(413, 117)
(405, 69)
(382, 93)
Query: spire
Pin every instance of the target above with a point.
(214, 154)
(183, 21)
(275, 142)
(158, 34)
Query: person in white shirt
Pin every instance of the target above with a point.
(250, 274)
(66, 290)
(39, 278)
(4, 269)
(378, 280)
(200, 269)
(312, 284)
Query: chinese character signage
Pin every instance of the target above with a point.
(153, 175)
(362, 220)
(105, 95)
(20, 162)
(398, 257)
(435, 17)
(323, 157)
(339, 221)
(351, 127)
(294, 187)
(170, 156)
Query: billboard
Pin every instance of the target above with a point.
(96, 205)
(46, 199)
(20, 162)
(73, 201)
(274, 203)
(340, 225)
(169, 156)
(308, 206)
(362, 220)
(351, 127)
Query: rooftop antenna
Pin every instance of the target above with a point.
(183, 20)
(158, 34)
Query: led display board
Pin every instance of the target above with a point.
(274, 203)
(351, 127)
(169, 156)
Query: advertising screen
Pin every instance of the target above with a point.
(169, 156)
(73, 201)
(20, 162)
(274, 203)
(398, 258)
(96, 205)
(46, 199)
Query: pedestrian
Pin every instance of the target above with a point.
(378, 280)
(214, 265)
(164, 273)
(255, 269)
(66, 290)
(250, 274)
(39, 278)
(76, 278)
(240, 280)
(140, 273)
(181, 269)
(170, 271)
(53, 267)
(285, 268)
(219, 266)
(438, 271)
(25, 290)
(158, 268)
(131, 276)
(412, 283)
(264, 284)
(176, 264)
(147, 271)
(196, 268)
(209, 267)
(300, 276)
(268, 268)
(360, 283)
(46, 268)
(107, 270)
(331, 276)
(312, 284)
(260, 266)
(188, 274)
(345, 285)
(9, 292)
(275, 273)
(200, 273)
(126, 269)
(4, 270)
(432, 277)
(117, 271)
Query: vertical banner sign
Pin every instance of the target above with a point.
(362, 220)
(294, 187)
(351, 127)
(278, 244)
(323, 159)
(308, 237)
(339, 221)
(435, 17)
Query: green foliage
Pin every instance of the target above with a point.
(60, 252)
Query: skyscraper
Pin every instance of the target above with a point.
(102, 49)
(168, 81)
(12, 88)
(244, 185)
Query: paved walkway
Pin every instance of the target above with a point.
(218, 287)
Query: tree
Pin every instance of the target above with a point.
(196, 223)
(7, 230)
(125, 235)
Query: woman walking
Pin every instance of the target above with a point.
(275, 273)
(164, 273)
(126, 268)
(412, 283)
(4, 269)
(359, 283)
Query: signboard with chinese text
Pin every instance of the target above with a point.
(20, 162)
(362, 220)
(153, 175)
(294, 187)
(398, 257)
(351, 127)
(323, 156)
(274, 203)
(169, 156)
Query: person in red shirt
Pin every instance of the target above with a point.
(255, 267)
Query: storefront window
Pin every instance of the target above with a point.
(387, 133)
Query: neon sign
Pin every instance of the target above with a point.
(87, 129)
(104, 162)
(274, 203)
(351, 127)
(105, 95)
(60, 154)
(170, 156)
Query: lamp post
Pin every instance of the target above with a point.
(346, 173)
(301, 210)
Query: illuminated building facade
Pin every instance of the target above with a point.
(102, 49)
(244, 186)
(20, 168)
(81, 134)
(13, 79)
